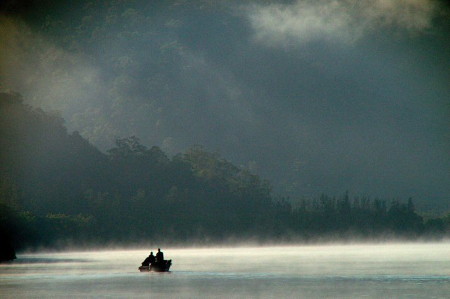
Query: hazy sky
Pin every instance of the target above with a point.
(316, 96)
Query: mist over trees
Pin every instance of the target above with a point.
(57, 189)
(317, 96)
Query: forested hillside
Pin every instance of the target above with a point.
(57, 189)
(316, 100)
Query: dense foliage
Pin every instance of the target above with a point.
(56, 188)
(177, 73)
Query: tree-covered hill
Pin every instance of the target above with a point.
(56, 188)
(314, 99)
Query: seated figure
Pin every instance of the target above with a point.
(149, 260)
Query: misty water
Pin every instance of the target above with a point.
(315, 271)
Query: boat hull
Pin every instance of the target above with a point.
(157, 267)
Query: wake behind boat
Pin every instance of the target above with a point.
(155, 263)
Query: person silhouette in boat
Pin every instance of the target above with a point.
(149, 260)
(160, 256)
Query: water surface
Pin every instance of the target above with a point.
(327, 271)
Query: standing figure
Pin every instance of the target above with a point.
(159, 256)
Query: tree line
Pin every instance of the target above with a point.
(56, 189)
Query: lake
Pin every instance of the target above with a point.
(409, 270)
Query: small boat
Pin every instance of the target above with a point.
(157, 267)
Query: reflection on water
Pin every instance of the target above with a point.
(346, 271)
